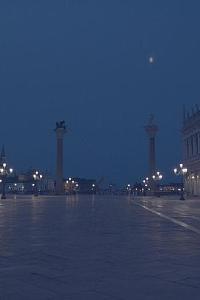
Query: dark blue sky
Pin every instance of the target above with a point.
(87, 62)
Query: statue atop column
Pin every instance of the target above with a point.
(60, 132)
(60, 125)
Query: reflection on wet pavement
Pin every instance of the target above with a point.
(99, 247)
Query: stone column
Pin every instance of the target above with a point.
(185, 150)
(192, 145)
(60, 131)
(196, 143)
(199, 143)
(198, 185)
(151, 130)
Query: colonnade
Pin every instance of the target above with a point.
(192, 184)
(192, 145)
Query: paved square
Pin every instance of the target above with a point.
(99, 248)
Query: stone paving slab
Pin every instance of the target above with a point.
(99, 248)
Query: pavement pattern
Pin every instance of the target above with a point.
(99, 248)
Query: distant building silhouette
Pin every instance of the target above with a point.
(23, 183)
(80, 185)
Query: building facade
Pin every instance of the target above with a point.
(191, 151)
(25, 184)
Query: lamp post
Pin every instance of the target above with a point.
(37, 177)
(94, 188)
(128, 188)
(146, 185)
(181, 171)
(71, 186)
(157, 177)
(4, 173)
(76, 187)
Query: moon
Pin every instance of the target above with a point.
(151, 59)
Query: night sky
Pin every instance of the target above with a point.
(86, 61)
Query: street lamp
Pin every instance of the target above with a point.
(181, 171)
(94, 188)
(157, 177)
(128, 189)
(76, 187)
(37, 177)
(146, 184)
(4, 173)
(71, 185)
